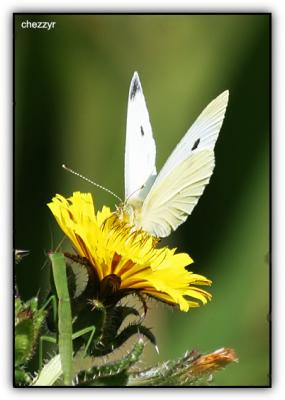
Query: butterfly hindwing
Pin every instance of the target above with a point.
(171, 200)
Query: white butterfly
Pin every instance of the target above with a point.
(158, 204)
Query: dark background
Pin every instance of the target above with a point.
(71, 88)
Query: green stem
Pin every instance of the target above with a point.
(64, 316)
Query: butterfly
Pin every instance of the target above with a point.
(159, 203)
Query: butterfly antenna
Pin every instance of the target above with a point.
(89, 181)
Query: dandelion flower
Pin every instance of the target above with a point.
(124, 259)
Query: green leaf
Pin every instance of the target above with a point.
(28, 321)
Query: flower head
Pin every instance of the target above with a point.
(126, 260)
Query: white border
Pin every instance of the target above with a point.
(278, 234)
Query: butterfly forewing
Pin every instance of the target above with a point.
(140, 146)
(201, 135)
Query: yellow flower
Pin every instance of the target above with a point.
(125, 259)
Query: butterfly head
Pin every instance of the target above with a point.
(129, 212)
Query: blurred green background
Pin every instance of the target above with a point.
(71, 89)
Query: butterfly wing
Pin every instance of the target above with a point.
(140, 150)
(184, 176)
(201, 135)
(171, 200)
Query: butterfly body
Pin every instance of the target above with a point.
(159, 203)
(130, 213)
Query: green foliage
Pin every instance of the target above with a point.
(28, 321)
(104, 373)
(90, 371)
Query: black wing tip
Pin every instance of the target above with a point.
(135, 86)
